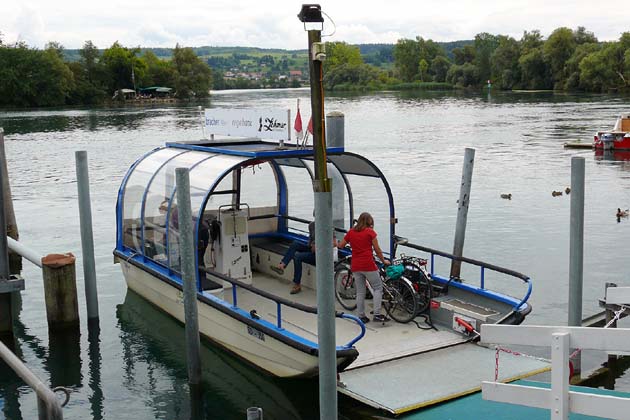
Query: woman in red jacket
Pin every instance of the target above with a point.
(362, 240)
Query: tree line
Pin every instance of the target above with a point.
(31, 77)
(568, 59)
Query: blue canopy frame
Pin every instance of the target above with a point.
(236, 155)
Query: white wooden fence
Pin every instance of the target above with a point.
(559, 399)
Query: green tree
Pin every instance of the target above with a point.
(119, 62)
(485, 44)
(582, 36)
(423, 68)
(56, 48)
(193, 77)
(504, 63)
(535, 73)
(439, 67)
(361, 76)
(93, 72)
(531, 41)
(406, 59)
(340, 53)
(464, 75)
(32, 77)
(572, 66)
(558, 48)
(158, 72)
(464, 55)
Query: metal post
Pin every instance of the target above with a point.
(87, 236)
(254, 413)
(576, 249)
(189, 275)
(462, 210)
(323, 243)
(335, 127)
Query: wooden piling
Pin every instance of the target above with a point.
(15, 260)
(60, 289)
(6, 318)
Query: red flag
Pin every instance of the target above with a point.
(310, 125)
(298, 122)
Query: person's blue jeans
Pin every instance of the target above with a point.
(299, 253)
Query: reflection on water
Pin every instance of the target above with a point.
(152, 341)
(132, 366)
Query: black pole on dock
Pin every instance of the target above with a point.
(311, 15)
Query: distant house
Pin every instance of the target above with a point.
(124, 94)
(295, 74)
(155, 92)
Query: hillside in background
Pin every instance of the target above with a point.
(229, 58)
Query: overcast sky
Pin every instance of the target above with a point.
(273, 23)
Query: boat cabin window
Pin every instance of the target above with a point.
(300, 201)
(263, 187)
(366, 193)
(259, 190)
(134, 195)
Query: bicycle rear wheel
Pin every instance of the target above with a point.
(424, 291)
(345, 289)
(400, 300)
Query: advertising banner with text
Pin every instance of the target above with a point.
(258, 123)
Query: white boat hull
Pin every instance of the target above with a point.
(265, 352)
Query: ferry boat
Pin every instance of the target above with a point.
(616, 139)
(251, 198)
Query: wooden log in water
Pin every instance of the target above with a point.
(578, 145)
(60, 289)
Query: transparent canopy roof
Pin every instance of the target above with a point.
(223, 174)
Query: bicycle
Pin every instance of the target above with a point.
(415, 271)
(399, 297)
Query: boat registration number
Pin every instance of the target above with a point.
(254, 332)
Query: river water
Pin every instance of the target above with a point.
(134, 367)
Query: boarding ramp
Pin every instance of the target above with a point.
(432, 377)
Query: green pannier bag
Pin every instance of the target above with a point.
(394, 271)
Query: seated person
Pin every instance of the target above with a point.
(299, 253)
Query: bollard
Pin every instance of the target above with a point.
(254, 413)
(189, 275)
(60, 290)
(576, 250)
(87, 236)
(462, 211)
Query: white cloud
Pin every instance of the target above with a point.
(274, 23)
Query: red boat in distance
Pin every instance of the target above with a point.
(616, 139)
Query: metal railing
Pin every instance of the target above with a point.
(48, 406)
(281, 301)
(482, 265)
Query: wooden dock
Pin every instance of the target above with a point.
(578, 145)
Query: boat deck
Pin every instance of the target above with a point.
(400, 367)
(380, 343)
